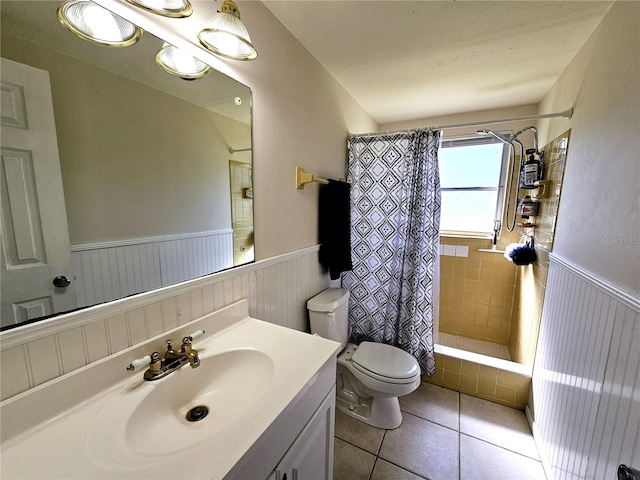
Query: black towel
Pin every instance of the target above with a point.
(334, 227)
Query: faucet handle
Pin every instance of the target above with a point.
(139, 363)
(197, 334)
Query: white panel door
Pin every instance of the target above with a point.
(34, 236)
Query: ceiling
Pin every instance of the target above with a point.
(404, 60)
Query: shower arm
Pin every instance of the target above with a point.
(535, 136)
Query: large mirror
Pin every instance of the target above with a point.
(124, 179)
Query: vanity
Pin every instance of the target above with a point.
(261, 403)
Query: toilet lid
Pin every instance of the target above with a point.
(385, 360)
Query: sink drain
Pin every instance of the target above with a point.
(197, 413)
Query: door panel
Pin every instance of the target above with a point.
(34, 237)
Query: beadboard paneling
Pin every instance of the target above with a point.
(277, 290)
(585, 381)
(110, 270)
(618, 421)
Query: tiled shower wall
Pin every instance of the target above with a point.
(531, 280)
(531, 283)
(241, 211)
(476, 291)
(277, 290)
(483, 296)
(492, 383)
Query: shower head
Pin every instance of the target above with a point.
(503, 138)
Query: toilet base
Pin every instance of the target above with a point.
(379, 412)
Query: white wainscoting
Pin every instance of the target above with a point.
(109, 270)
(586, 378)
(277, 289)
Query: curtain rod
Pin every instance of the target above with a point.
(231, 150)
(566, 114)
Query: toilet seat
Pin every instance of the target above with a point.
(385, 363)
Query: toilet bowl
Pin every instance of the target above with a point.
(370, 376)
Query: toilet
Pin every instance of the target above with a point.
(370, 376)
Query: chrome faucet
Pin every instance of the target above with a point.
(170, 362)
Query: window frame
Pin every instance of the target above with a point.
(466, 141)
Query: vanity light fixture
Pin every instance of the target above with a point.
(177, 62)
(166, 8)
(96, 24)
(225, 34)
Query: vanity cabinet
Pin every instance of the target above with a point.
(311, 455)
(299, 443)
(94, 423)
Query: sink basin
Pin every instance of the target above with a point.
(227, 385)
(148, 419)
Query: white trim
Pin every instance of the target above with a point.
(514, 367)
(144, 240)
(546, 466)
(44, 328)
(623, 297)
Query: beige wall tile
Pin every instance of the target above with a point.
(469, 384)
(436, 378)
(508, 379)
(488, 374)
(470, 368)
(452, 364)
(506, 394)
(451, 379)
(486, 389)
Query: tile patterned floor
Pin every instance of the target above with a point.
(445, 435)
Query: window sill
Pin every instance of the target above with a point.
(476, 235)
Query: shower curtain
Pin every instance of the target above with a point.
(395, 219)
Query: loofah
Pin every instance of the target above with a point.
(523, 255)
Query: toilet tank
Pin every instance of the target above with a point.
(329, 314)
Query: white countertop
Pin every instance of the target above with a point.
(77, 442)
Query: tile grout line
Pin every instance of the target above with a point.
(377, 455)
(434, 423)
(502, 447)
(457, 429)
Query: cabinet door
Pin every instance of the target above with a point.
(311, 455)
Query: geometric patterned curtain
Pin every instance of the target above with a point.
(395, 220)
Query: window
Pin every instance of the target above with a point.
(472, 173)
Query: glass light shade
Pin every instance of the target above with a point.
(167, 8)
(177, 62)
(225, 34)
(96, 24)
